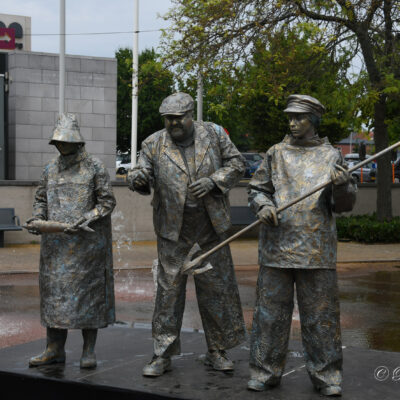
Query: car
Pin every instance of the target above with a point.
(352, 158)
(365, 170)
(253, 161)
(373, 172)
(123, 163)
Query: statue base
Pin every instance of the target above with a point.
(123, 351)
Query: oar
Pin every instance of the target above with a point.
(190, 264)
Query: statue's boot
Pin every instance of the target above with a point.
(157, 366)
(54, 352)
(88, 359)
(218, 360)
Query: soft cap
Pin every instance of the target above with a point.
(177, 104)
(301, 103)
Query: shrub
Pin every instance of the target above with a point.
(367, 229)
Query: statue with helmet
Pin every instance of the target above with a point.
(299, 249)
(72, 212)
(191, 166)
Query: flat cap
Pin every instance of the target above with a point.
(177, 104)
(301, 103)
(66, 130)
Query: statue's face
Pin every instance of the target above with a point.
(300, 126)
(66, 148)
(179, 126)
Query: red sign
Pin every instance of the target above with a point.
(7, 39)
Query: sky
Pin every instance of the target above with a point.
(90, 16)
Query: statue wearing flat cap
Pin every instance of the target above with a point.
(299, 249)
(76, 268)
(191, 166)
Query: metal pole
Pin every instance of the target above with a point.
(199, 97)
(135, 82)
(61, 107)
(351, 142)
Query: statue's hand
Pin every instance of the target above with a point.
(76, 226)
(33, 231)
(138, 177)
(268, 215)
(339, 175)
(201, 187)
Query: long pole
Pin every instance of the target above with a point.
(61, 95)
(135, 83)
(199, 97)
(200, 258)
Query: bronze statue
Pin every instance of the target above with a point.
(299, 248)
(191, 167)
(76, 267)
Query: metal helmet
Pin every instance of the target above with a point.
(66, 130)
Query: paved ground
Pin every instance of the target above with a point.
(369, 285)
(25, 258)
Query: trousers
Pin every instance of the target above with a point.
(317, 297)
(216, 290)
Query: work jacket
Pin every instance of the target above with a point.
(216, 157)
(306, 234)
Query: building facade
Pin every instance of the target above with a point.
(32, 108)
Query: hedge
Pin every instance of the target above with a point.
(367, 229)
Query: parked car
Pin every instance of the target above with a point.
(123, 163)
(366, 172)
(373, 173)
(352, 158)
(253, 161)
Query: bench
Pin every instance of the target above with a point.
(242, 215)
(8, 222)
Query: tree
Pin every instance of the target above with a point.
(223, 33)
(155, 83)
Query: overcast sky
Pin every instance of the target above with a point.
(90, 16)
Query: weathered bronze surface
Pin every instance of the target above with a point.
(76, 267)
(298, 248)
(191, 167)
(51, 226)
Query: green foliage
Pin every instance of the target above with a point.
(367, 229)
(249, 100)
(155, 83)
(226, 34)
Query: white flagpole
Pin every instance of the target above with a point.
(135, 81)
(61, 107)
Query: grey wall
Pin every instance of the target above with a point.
(91, 94)
(132, 218)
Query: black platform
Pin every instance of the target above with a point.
(122, 352)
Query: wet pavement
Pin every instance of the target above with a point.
(369, 292)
